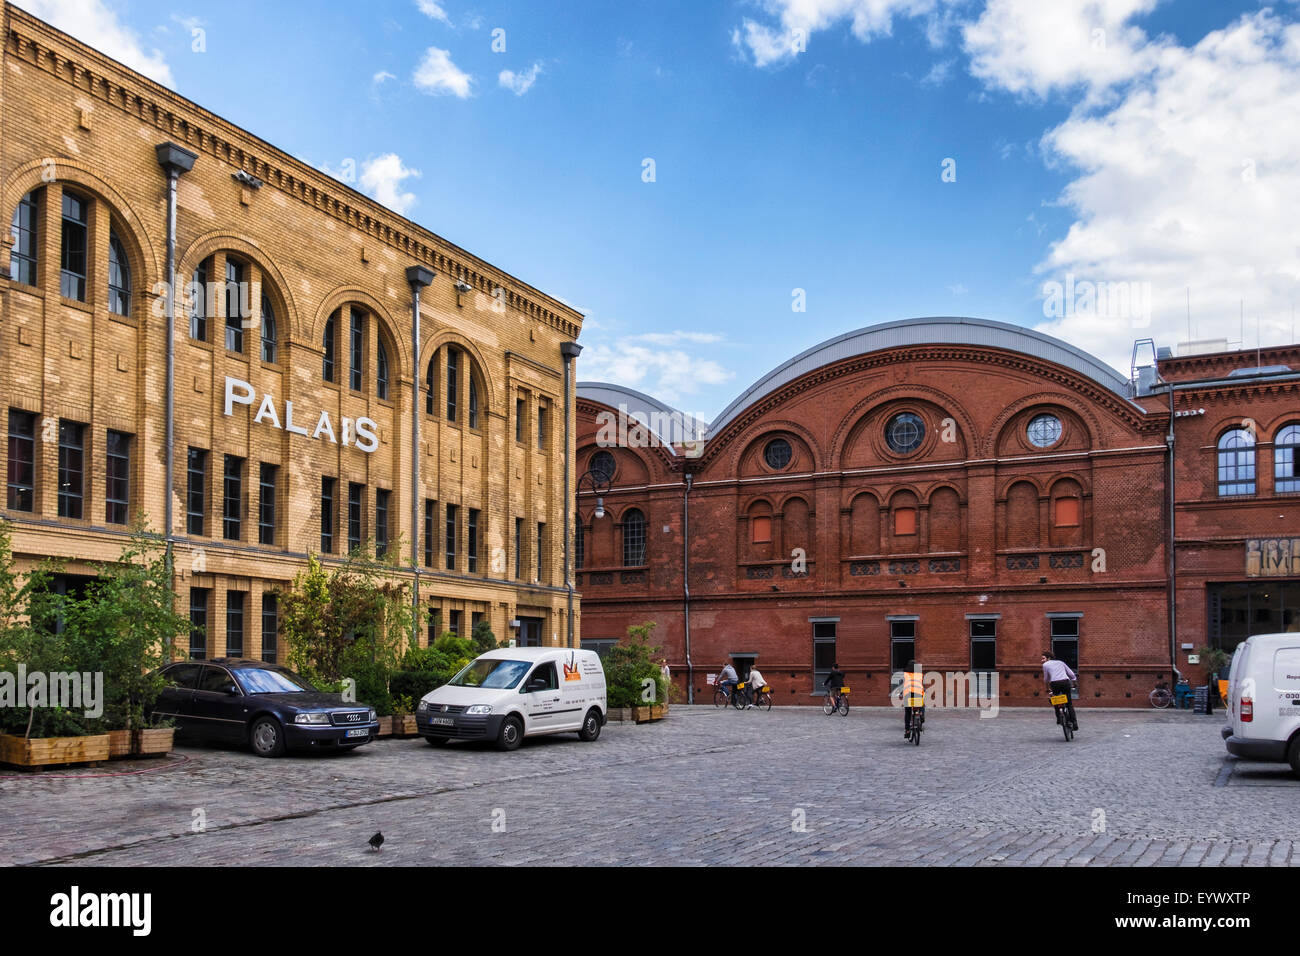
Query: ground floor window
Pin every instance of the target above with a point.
(1236, 611)
(600, 645)
(983, 643)
(1065, 639)
(198, 623)
(823, 652)
(902, 648)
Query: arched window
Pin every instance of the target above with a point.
(356, 348)
(198, 296)
(633, 539)
(579, 547)
(473, 401)
(119, 277)
(1286, 456)
(381, 371)
(268, 331)
(236, 301)
(22, 260)
(453, 381)
(327, 347)
(429, 386)
(72, 255)
(1236, 463)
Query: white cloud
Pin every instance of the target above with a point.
(519, 83)
(382, 178)
(676, 336)
(669, 374)
(1188, 181)
(438, 76)
(381, 76)
(798, 20)
(433, 10)
(1031, 47)
(92, 22)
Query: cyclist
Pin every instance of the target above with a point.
(753, 686)
(1057, 675)
(833, 682)
(728, 679)
(912, 686)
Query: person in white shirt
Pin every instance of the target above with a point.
(1057, 675)
(754, 685)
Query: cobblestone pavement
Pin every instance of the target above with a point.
(789, 786)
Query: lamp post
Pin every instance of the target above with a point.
(599, 483)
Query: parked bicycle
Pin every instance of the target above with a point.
(1162, 696)
(836, 701)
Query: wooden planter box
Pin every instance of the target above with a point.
(641, 714)
(405, 726)
(155, 742)
(620, 713)
(119, 744)
(385, 727)
(52, 751)
(658, 711)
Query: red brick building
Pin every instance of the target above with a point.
(959, 491)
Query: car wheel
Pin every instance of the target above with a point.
(590, 726)
(267, 738)
(438, 741)
(511, 735)
(1293, 755)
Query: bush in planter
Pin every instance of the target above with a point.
(628, 665)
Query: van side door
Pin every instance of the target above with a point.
(541, 692)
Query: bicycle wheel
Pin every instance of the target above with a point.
(1065, 724)
(844, 705)
(764, 702)
(737, 700)
(828, 705)
(916, 731)
(1160, 697)
(720, 698)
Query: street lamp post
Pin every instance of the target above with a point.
(599, 483)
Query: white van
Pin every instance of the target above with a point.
(1264, 699)
(516, 692)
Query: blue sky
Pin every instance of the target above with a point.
(797, 145)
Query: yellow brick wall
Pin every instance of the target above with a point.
(72, 118)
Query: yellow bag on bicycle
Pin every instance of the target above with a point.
(1058, 699)
(844, 690)
(915, 702)
(765, 689)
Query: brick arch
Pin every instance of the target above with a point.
(1007, 483)
(144, 258)
(855, 420)
(951, 486)
(446, 336)
(758, 500)
(273, 280)
(762, 429)
(622, 455)
(803, 496)
(348, 294)
(1087, 414)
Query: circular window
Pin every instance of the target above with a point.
(904, 433)
(602, 463)
(1043, 430)
(778, 453)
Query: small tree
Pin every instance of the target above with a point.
(629, 665)
(483, 637)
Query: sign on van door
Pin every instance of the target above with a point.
(543, 705)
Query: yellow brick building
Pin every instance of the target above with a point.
(300, 379)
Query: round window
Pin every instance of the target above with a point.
(778, 453)
(904, 433)
(1043, 430)
(602, 463)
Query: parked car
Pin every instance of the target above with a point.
(271, 709)
(1264, 699)
(516, 692)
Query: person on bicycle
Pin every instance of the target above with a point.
(913, 686)
(833, 682)
(753, 686)
(1058, 676)
(728, 679)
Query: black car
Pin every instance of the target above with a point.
(267, 707)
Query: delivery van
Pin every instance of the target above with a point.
(1264, 699)
(516, 692)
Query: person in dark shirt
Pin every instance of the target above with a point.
(834, 681)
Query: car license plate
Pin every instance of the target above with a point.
(443, 721)
(358, 732)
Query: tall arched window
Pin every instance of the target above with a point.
(429, 395)
(381, 370)
(72, 255)
(1286, 460)
(236, 299)
(198, 295)
(269, 338)
(1236, 463)
(327, 348)
(119, 277)
(22, 260)
(633, 539)
(453, 381)
(473, 401)
(579, 547)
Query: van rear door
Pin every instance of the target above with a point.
(1286, 689)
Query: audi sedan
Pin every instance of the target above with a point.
(271, 709)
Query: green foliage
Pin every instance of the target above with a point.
(483, 637)
(1215, 660)
(629, 664)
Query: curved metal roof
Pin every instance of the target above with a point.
(937, 330)
(666, 423)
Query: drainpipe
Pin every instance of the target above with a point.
(569, 351)
(686, 584)
(175, 160)
(1173, 555)
(417, 277)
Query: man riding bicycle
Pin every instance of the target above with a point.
(728, 679)
(1058, 677)
(913, 687)
(833, 682)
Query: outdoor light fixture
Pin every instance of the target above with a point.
(600, 508)
(462, 285)
(247, 178)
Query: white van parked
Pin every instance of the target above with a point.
(1264, 699)
(516, 692)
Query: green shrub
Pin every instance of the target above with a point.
(628, 665)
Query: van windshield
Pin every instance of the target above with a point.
(495, 674)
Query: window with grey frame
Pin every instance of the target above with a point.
(824, 654)
(270, 626)
(1236, 452)
(541, 551)
(356, 348)
(72, 255)
(235, 623)
(1286, 460)
(196, 494)
(199, 623)
(430, 530)
(902, 650)
(1065, 640)
(270, 340)
(267, 477)
(450, 534)
(232, 494)
(471, 543)
(327, 513)
(235, 311)
(633, 538)
(453, 381)
(22, 256)
(119, 277)
(355, 492)
(381, 522)
(72, 468)
(22, 460)
(117, 477)
(983, 644)
(329, 340)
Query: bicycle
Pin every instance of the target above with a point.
(916, 705)
(721, 698)
(763, 700)
(1059, 702)
(1162, 696)
(836, 701)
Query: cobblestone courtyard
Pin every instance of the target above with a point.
(791, 786)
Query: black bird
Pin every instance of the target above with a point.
(376, 841)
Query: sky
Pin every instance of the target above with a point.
(719, 186)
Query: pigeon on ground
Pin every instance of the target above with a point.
(376, 841)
